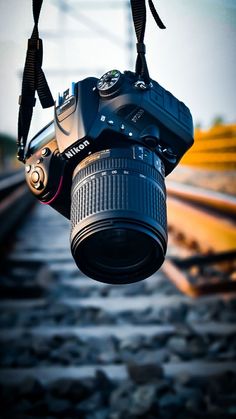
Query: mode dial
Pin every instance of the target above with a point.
(109, 82)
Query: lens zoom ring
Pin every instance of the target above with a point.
(119, 192)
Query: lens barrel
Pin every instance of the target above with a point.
(118, 215)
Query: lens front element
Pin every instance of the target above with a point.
(118, 215)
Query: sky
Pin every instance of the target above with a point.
(194, 58)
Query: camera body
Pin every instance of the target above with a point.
(105, 113)
(102, 162)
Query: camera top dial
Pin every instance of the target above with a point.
(109, 83)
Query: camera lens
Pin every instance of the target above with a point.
(118, 215)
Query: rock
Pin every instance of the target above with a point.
(169, 399)
(216, 347)
(228, 316)
(60, 388)
(25, 360)
(175, 358)
(134, 289)
(163, 386)
(72, 347)
(104, 385)
(173, 314)
(227, 355)
(54, 356)
(121, 401)
(196, 348)
(40, 347)
(107, 353)
(38, 408)
(44, 277)
(145, 356)
(184, 330)
(178, 345)
(142, 399)
(172, 402)
(187, 394)
(7, 359)
(120, 397)
(23, 405)
(91, 404)
(145, 373)
(157, 341)
(31, 388)
(101, 414)
(183, 378)
(58, 407)
(117, 415)
(71, 389)
(131, 343)
(192, 316)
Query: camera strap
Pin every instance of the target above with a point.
(33, 80)
(138, 8)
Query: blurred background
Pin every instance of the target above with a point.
(164, 347)
(194, 58)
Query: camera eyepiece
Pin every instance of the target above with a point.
(118, 215)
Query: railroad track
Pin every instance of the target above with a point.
(204, 222)
(15, 200)
(213, 149)
(75, 348)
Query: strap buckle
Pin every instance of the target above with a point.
(142, 85)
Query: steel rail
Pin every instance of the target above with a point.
(205, 220)
(209, 230)
(226, 204)
(10, 182)
(15, 199)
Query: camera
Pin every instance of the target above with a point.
(102, 164)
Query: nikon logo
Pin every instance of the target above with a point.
(75, 150)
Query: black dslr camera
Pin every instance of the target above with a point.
(102, 163)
